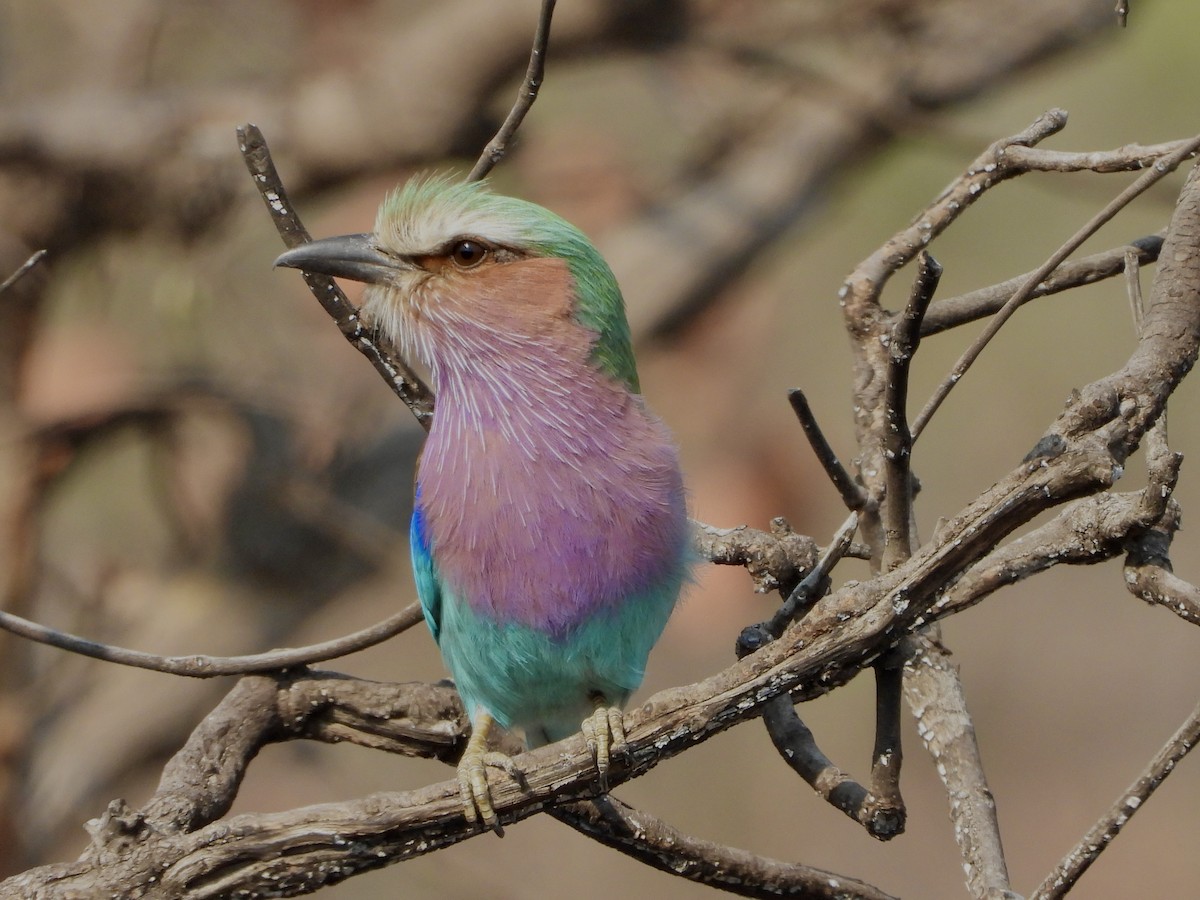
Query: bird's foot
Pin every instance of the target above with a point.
(604, 731)
(473, 784)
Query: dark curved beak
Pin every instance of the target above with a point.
(352, 256)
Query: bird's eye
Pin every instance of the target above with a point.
(468, 254)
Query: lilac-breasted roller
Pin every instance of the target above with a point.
(550, 534)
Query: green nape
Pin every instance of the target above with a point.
(525, 225)
(598, 303)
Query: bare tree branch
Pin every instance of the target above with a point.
(645, 838)
(1148, 576)
(775, 560)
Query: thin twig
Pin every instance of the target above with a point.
(897, 441)
(406, 384)
(973, 305)
(771, 557)
(885, 804)
(1130, 158)
(200, 666)
(886, 807)
(797, 747)
(526, 95)
(851, 492)
(1161, 168)
(16, 276)
(1059, 882)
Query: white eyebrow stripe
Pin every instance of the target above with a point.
(440, 224)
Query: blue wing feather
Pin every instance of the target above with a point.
(429, 588)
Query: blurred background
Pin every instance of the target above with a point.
(193, 461)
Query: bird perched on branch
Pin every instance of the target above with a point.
(549, 535)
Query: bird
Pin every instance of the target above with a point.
(549, 533)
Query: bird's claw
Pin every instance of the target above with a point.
(604, 731)
(473, 785)
(476, 789)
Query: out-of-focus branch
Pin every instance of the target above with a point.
(684, 252)
(22, 270)
(337, 120)
(202, 666)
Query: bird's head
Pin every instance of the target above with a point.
(450, 257)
